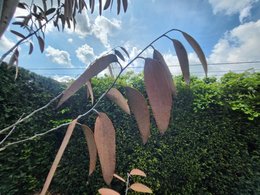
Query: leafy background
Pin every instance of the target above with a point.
(211, 147)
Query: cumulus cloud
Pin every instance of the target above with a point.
(70, 40)
(58, 56)
(5, 44)
(242, 7)
(63, 79)
(239, 44)
(85, 54)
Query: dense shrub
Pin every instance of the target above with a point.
(211, 147)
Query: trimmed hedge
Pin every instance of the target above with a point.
(211, 147)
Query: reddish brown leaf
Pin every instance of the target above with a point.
(106, 146)
(107, 4)
(125, 4)
(137, 172)
(120, 178)
(183, 59)
(107, 191)
(138, 187)
(90, 91)
(99, 65)
(8, 10)
(194, 44)
(159, 92)
(91, 148)
(58, 156)
(140, 110)
(41, 43)
(158, 56)
(115, 96)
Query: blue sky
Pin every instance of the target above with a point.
(227, 30)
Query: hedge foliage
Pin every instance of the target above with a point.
(212, 145)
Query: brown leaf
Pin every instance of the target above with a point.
(92, 149)
(17, 33)
(31, 48)
(118, 177)
(99, 65)
(118, 53)
(107, 191)
(107, 4)
(137, 172)
(125, 4)
(194, 44)
(140, 110)
(90, 91)
(58, 156)
(8, 10)
(138, 187)
(158, 56)
(183, 59)
(115, 96)
(41, 43)
(159, 93)
(106, 146)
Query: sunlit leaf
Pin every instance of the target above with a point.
(115, 96)
(14, 58)
(8, 10)
(183, 59)
(158, 56)
(125, 51)
(107, 191)
(118, 53)
(120, 178)
(90, 91)
(198, 51)
(106, 146)
(107, 4)
(58, 156)
(138, 187)
(17, 33)
(99, 65)
(137, 172)
(91, 148)
(125, 4)
(41, 43)
(139, 108)
(159, 92)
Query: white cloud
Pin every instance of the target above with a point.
(103, 27)
(239, 44)
(85, 54)
(5, 44)
(70, 40)
(63, 79)
(229, 7)
(58, 56)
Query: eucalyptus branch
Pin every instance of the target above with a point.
(92, 109)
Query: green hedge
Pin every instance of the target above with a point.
(211, 147)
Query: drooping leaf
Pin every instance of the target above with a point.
(125, 4)
(58, 156)
(138, 187)
(22, 5)
(92, 5)
(8, 9)
(118, 53)
(91, 148)
(107, 191)
(14, 57)
(118, 6)
(114, 95)
(159, 92)
(41, 43)
(90, 91)
(100, 7)
(183, 59)
(99, 65)
(17, 33)
(125, 51)
(194, 44)
(110, 71)
(139, 108)
(106, 146)
(118, 177)
(107, 4)
(137, 172)
(31, 48)
(158, 56)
